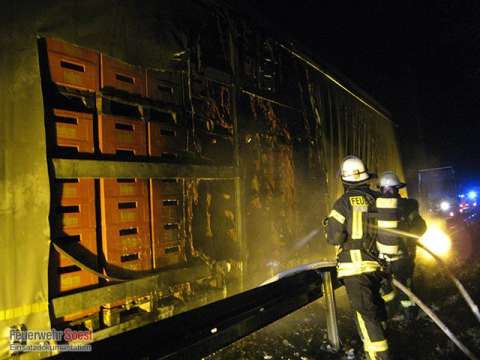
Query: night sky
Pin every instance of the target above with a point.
(421, 60)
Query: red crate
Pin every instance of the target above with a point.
(163, 116)
(165, 139)
(122, 76)
(73, 66)
(133, 259)
(72, 277)
(166, 208)
(165, 233)
(165, 187)
(79, 315)
(168, 254)
(75, 216)
(74, 130)
(119, 133)
(125, 211)
(163, 86)
(86, 238)
(73, 191)
(118, 239)
(123, 188)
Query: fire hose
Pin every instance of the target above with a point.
(468, 299)
(428, 311)
(458, 284)
(434, 318)
(463, 292)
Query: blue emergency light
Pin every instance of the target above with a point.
(472, 195)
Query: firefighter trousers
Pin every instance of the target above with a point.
(369, 312)
(402, 269)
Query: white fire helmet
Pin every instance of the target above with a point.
(353, 170)
(389, 179)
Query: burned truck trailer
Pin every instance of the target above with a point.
(154, 152)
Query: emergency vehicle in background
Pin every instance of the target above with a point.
(437, 191)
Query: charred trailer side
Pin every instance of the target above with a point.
(159, 155)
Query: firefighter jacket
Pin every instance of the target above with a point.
(397, 216)
(352, 228)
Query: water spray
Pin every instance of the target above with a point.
(296, 270)
(306, 239)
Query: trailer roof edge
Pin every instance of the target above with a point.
(350, 88)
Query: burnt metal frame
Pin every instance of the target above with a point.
(159, 283)
(75, 168)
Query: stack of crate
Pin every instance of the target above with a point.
(166, 214)
(74, 199)
(166, 137)
(75, 222)
(119, 133)
(75, 68)
(126, 223)
(88, 71)
(141, 220)
(126, 241)
(125, 213)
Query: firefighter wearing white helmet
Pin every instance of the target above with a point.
(350, 228)
(396, 213)
(354, 171)
(389, 181)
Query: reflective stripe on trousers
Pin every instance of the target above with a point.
(389, 296)
(406, 303)
(371, 347)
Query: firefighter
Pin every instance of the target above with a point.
(351, 228)
(397, 215)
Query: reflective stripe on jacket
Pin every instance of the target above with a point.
(397, 213)
(350, 227)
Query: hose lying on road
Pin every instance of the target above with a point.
(397, 284)
(466, 296)
(458, 284)
(434, 318)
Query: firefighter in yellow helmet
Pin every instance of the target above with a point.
(352, 229)
(397, 215)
